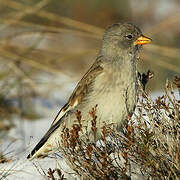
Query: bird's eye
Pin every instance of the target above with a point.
(129, 36)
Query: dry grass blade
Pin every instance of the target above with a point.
(12, 57)
(164, 51)
(161, 62)
(53, 17)
(23, 10)
(177, 82)
(166, 23)
(39, 28)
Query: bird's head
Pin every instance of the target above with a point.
(123, 39)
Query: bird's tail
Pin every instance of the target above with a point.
(49, 143)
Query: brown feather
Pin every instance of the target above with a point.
(81, 89)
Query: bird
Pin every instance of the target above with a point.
(110, 84)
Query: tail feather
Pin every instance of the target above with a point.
(44, 139)
(37, 147)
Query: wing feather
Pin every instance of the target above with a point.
(76, 98)
(81, 89)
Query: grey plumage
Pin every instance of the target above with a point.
(110, 84)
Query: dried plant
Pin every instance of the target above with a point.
(148, 148)
(3, 159)
(52, 176)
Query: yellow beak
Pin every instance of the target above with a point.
(142, 40)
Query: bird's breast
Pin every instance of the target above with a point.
(114, 93)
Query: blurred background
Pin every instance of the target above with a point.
(47, 45)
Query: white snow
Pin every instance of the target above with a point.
(19, 168)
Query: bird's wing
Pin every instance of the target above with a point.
(76, 98)
(81, 89)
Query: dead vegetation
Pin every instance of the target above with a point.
(58, 172)
(148, 148)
